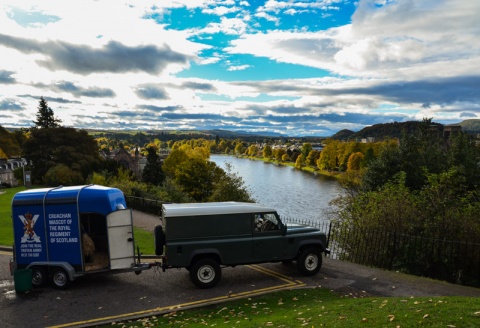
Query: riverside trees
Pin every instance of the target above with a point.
(425, 186)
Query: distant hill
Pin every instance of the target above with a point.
(343, 134)
(470, 126)
(380, 131)
(394, 130)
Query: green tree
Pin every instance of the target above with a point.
(9, 144)
(312, 158)
(239, 149)
(197, 177)
(420, 150)
(252, 150)
(464, 154)
(45, 116)
(153, 173)
(267, 151)
(299, 162)
(278, 153)
(230, 187)
(306, 149)
(47, 148)
(62, 175)
(328, 159)
(174, 160)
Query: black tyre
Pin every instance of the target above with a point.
(39, 276)
(205, 273)
(159, 240)
(309, 261)
(60, 278)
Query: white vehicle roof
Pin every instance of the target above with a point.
(193, 209)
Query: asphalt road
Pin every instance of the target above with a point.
(96, 299)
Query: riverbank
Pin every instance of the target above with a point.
(308, 169)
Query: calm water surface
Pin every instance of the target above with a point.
(293, 193)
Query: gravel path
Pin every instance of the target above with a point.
(145, 221)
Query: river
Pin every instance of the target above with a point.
(294, 193)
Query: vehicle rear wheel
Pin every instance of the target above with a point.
(205, 273)
(309, 261)
(39, 276)
(60, 279)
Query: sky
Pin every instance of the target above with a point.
(297, 68)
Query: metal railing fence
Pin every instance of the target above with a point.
(453, 261)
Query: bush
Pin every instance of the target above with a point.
(62, 175)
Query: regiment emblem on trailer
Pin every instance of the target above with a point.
(29, 235)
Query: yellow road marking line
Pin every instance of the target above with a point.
(289, 284)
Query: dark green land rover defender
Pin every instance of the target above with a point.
(204, 236)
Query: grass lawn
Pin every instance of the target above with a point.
(144, 240)
(6, 227)
(322, 308)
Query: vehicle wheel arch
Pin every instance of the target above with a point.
(205, 253)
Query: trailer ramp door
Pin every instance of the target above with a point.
(120, 239)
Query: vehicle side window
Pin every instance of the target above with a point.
(265, 222)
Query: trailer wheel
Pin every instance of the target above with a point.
(309, 261)
(205, 273)
(60, 279)
(39, 276)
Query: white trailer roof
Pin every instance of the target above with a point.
(193, 209)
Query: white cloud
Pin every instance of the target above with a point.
(389, 41)
(239, 67)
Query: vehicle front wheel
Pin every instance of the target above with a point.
(309, 261)
(39, 277)
(60, 279)
(205, 273)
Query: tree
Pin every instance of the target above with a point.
(328, 157)
(312, 158)
(278, 154)
(174, 160)
(306, 149)
(420, 150)
(45, 116)
(230, 187)
(267, 151)
(153, 173)
(62, 175)
(252, 150)
(239, 149)
(9, 144)
(197, 176)
(299, 162)
(355, 161)
(47, 148)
